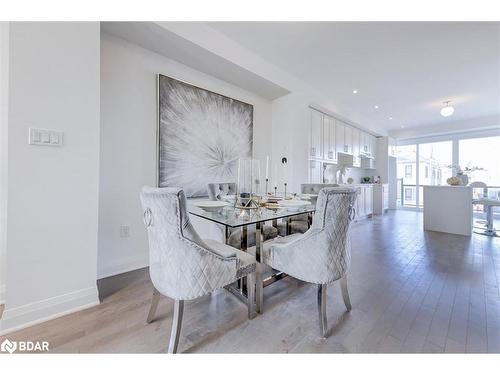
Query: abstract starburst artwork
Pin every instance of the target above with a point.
(202, 135)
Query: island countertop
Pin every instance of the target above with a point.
(448, 209)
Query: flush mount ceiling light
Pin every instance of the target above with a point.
(390, 118)
(447, 110)
(354, 91)
(375, 106)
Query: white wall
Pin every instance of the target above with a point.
(53, 192)
(4, 81)
(128, 139)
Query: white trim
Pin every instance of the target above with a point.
(131, 264)
(41, 311)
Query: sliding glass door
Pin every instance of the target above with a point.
(435, 165)
(432, 161)
(407, 176)
(419, 165)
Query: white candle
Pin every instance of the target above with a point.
(238, 186)
(275, 175)
(267, 167)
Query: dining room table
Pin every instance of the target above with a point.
(231, 218)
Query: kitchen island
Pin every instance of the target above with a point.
(448, 209)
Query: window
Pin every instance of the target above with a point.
(408, 194)
(480, 156)
(432, 163)
(408, 171)
(406, 161)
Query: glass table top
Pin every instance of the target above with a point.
(235, 217)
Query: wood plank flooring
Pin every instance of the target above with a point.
(411, 291)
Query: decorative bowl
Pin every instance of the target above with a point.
(454, 181)
(211, 206)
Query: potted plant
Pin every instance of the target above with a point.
(464, 175)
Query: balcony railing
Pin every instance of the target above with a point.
(403, 201)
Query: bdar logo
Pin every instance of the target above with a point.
(8, 346)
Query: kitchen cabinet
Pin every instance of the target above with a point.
(347, 139)
(373, 145)
(329, 136)
(363, 141)
(355, 147)
(329, 146)
(316, 130)
(364, 202)
(339, 136)
(369, 200)
(380, 198)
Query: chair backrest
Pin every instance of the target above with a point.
(217, 190)
(181, 265)
(322, 254)
(332, 225)
(314, 188)
(480, 184)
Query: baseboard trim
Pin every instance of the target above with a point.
(41, 311)
(130, 265)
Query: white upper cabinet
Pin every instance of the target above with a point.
(355, 147)
(315, 150)
(347, 139)
(329, 146)
(373, 145)
(328, 136)
(339, 136)
(365, 144)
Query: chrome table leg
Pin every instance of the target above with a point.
(251, 295)
(259, 292)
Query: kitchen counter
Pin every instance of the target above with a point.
(448, 209)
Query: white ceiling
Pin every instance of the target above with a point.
(407, 69)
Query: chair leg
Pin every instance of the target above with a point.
(322, 309)
(259, 290)
(345, 293)
(176, 326)
(154, 306)
(251, 295)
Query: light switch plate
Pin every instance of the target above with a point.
(44, 137)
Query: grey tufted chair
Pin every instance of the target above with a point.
(321, 255)
(182, 266)
(216, 191)
(300, 223)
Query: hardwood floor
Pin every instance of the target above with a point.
(411, 291)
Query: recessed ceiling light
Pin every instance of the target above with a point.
(354, 91)
(390, 118)
(447, 110)
(402, 126)
(375, 106)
